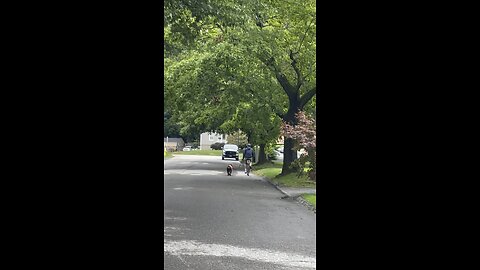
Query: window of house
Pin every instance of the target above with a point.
(210, 137)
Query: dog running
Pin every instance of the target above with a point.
(229, 169)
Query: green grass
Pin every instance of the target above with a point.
(292, 180)
(167, 155)
(272, 170)
(269, 173)
(269, 165)
(200, 153)
(311, 198)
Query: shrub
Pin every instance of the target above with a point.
(195, 144)
(304, 134)
(269, 151)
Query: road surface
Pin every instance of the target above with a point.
(215, 221)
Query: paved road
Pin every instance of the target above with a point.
(215, 221)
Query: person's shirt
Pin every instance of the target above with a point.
(248, 153)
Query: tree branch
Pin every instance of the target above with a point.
(281, 78)
(310, 71)
(307, 96)
(305, 34)
(297, 71)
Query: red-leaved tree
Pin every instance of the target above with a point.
(305, 136)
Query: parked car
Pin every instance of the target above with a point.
(230, 151)
(278, 155)
(187, 148)
(279, 152)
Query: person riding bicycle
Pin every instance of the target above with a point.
(248, 154)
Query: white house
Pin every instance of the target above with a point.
(207, 139)
(173, 144)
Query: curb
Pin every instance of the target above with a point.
(298, 198)
(307, 204)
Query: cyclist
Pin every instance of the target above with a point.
(248, 154)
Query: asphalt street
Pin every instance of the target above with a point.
(215, 221)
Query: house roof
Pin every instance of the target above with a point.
(177, 140)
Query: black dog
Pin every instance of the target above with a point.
(229, 169)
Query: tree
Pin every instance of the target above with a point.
(304, 133)
(238, 138)
(170, 128)
(238, 50)
(287, 35)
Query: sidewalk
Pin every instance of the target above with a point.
(295, 192)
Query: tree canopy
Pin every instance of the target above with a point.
(239, 65)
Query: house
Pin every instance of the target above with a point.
(173, 144)
(208, 138)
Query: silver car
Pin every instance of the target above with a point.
(230, 151)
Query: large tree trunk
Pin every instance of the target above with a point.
(289, 155)
(262, 157)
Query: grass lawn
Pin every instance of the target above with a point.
(200, 153)
(311, 198)
(167, 155)
(271, 171)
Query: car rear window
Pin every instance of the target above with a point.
(230, 147)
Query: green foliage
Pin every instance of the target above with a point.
(304, 132)
(170, 128)
(272, 171)
(223, 59)
(269, 150)
(167, 155)
(311, 198)
(195, 143)
(269, 173)
(238, 138)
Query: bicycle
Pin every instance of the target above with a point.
(248, 166)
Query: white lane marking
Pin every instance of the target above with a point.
(182, 188)
(192, 172)
(194, 248)
(176, 218)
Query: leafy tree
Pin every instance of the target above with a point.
(304, 132)
(238, 138)
(226, 53)
(170, 128)
(285, 39)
